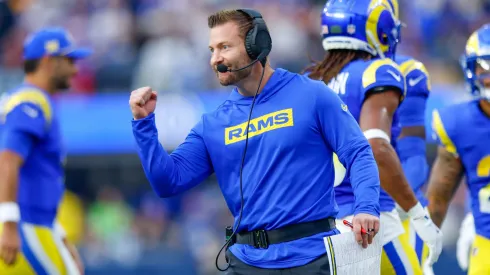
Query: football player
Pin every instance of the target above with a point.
(463, 133)
(358, 37)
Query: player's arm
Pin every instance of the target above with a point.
(445, 177)
(446, 173)
(411, 141)
(376, 120)
(188, 165)
(24, 124)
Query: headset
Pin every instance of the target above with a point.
(258, 44)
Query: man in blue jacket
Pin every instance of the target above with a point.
(282, 193)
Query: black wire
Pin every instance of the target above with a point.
(241, 177)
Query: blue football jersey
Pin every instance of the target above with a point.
(411, 113)
(352, 85)
(464, 130)
(29, 127)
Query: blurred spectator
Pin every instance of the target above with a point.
(164, 44)
(110, 229)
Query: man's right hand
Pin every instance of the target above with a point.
(142, 102)
(370, 223)
(9, 243)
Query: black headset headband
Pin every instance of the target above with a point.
(258, 42)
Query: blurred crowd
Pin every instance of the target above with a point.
(163, 44)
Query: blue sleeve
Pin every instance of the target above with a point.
(345, 137)
(412, 111)
(382, 73)
(412, 153)
(188, 165)
(22, 127)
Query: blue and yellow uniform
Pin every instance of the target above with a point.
(352, 84)
(29, 127)
(411, 149)
(464, 130)
(368, 26)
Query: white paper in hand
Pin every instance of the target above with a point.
(347, 257)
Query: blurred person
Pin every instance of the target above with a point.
(359, 37)
(410, 134)
(463, 131)
(9, 12)
(288, 189)
(111, 220)
(32, 160)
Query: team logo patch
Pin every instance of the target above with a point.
(351, 29)
(260, 125)
(324, 29)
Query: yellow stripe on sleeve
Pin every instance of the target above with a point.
(29, 96)
(438, 128)
(369, 76)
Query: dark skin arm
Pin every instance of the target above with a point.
(377, 113)
(445, 178)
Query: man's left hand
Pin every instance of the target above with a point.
(370, 223)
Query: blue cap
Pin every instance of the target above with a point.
(52, 42)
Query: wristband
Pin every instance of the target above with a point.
(9, 212)
(417, 211)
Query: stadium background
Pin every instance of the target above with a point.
(120, 226)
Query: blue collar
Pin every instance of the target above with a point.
(270, 87)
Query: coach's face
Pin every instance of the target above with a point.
(228, 48)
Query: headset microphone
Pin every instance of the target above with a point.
(222, 68)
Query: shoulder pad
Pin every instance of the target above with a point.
(382, 72)
(27, 95)
(417, 77)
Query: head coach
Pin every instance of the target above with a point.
(271, 145)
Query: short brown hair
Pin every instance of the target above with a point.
(31, 65)
(243, 20)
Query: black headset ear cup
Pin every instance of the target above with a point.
(250, 42)
(258, 39)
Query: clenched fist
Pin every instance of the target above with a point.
(142, 102)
